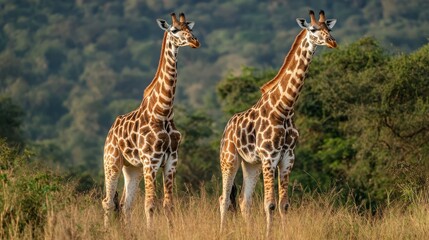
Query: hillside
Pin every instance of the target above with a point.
(72, 66)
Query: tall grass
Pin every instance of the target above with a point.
(197, 217)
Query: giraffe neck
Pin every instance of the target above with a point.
(159, 95)
(290, 78)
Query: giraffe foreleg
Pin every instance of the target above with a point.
(268, 170)
(285, 167)
(229, 166)
(150, 191)
(168, 177)
(112, 167)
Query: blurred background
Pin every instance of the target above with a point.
(68, 68)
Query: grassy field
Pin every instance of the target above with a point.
(197, 217)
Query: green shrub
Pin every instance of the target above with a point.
(25, 191)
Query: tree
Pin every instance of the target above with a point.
(10, 122)
(198, 158)
(237, 93)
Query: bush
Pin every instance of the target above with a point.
(25, 191)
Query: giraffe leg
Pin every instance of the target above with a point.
(229, 165)
(251, 173)
(169, 171)
(112, 166)
(150, 193)
(132, 177)
(285, 168)
(268, 170)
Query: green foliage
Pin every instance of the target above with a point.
(10, 121)
(25, 191)
(10, 157)
(239, 92)
(381, 103)
(198, 155)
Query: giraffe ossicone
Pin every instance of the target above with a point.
(263, 138)
(141, 142)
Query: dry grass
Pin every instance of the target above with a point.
(197, 217)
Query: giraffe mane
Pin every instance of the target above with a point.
(149, 88)
(289, 58)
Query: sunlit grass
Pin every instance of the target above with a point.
(196, 216)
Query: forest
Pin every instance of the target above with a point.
(68, 68)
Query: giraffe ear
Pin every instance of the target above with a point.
(163, 24)
(190, 25)
(302, 23)
(330, 23)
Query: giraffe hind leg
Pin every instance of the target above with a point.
(132, 178)
(112, 166)
(251, 173)
(150, 172)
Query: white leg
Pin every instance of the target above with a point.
(168, 177)
(229, 166)
(285, 167)
(250, 178)
(132, 177)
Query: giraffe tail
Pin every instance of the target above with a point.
(233, 198)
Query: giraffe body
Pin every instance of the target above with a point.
(263, 138)
(143, 141)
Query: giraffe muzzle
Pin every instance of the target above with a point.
(331, 43)
(194, 43)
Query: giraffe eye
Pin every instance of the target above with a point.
(175, 31)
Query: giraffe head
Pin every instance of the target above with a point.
(319, 31)
(180, 31)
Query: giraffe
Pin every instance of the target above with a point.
(146, 139)
(263, 137)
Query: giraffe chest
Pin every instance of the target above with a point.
(160, 138)
(263, 139)
(151, 142)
